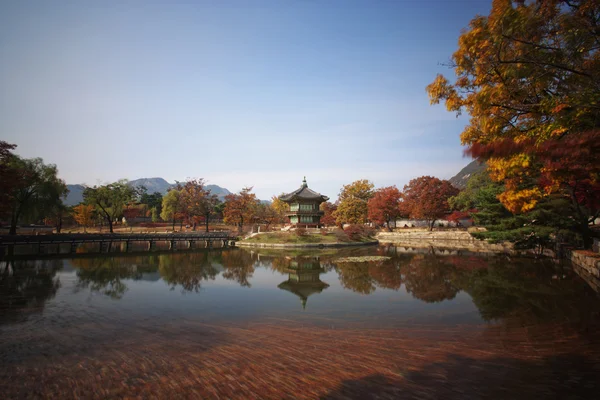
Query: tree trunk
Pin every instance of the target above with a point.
(431, 225)
(110, 225)
(173, 222)
(388, 226)
(13, 223)
(206, 219)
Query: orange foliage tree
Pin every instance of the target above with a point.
(427, 198)
(384, 206)
(529, 77)
(83, 215)
(240, 208)
(196, 201)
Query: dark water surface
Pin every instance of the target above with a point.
(236, 323)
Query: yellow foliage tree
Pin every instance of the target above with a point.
(83, 215)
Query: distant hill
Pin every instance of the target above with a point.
(75, 195)
(152, 185)
(459, 181)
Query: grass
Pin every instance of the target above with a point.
(292, 237)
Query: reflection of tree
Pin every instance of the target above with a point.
(429, 278)
(239, 266)
(25, 286)
(187, 270)
(528, 292)
(355, 276)
(386, 274)
(105, 274)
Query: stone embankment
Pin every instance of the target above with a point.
(305, 245)
(587, 264)
(455, 239)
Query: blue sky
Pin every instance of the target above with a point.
(241, 93)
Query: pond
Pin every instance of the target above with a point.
(375, 322)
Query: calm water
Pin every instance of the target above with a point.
(294, 324)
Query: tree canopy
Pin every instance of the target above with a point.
(384, 205)
(426, 198)
(352, 207)
(33, 189)
(529, 77)
(110, 199)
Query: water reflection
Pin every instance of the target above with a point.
(26, 286)
(519, 290)
(303, 277)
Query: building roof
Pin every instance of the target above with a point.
(303, 193)
(303, 289)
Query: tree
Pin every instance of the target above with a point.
(171, 206)
(279, 208)
(329, 209)
(353, 199)
(153, 200)
(427, 198)
(384, 207)
(35, 191)
(83, 214)
(529, 76)
(240, 207)
(110, 199)
(196, 201)
(9, 177)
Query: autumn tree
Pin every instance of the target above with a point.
(240, 207)
(328, 209)
(279, 208)
(427, 198)
(110, 199)
(171, 208)
(384, 207)
(529, 77)
(83, 214)
(35, 190)
(196, 201)
(353, 200)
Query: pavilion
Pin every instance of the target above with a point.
(304, 206)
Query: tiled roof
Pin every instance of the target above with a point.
(303, 193)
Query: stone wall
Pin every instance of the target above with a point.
(587, 264)
(454, 239)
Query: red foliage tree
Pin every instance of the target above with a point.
(384, 207)
(328, 218)
(427, 198)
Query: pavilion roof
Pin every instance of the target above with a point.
(303, 193)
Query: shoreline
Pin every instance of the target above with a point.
(306, 245)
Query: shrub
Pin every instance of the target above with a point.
(301, 232)
(354, 232)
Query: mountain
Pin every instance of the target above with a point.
(75, 195)
(459, 180)
(152, 185)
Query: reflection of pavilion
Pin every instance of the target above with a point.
(303, 279)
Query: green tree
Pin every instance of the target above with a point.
(153, 200)
(110, 199)
(353, 202)
(36, 192)
(171, 208)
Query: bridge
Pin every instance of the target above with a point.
(41, 244)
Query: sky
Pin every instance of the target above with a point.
(238, 92)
